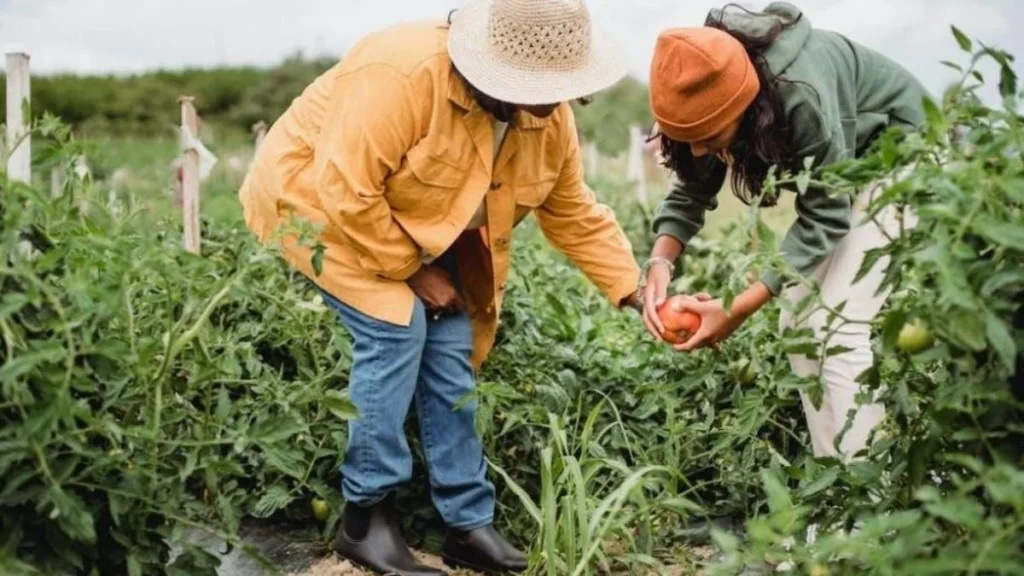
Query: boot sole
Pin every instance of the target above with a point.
(364, 566)
(456, 564)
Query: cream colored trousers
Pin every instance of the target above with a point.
(838, 373)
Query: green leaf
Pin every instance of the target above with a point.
(778, 496)
(962, 39)
(22, 364)
(276, 429)
(72, 515)
(837, 350)
(287, 460)
(11, 304)
(317, 260)
(822, 482)
(134, 566)
(1009, 234)
(958, 510)
(871, 258)
(681, 506)
(555, 302)
(999, 335)
(277, 497)
(803, 181)
(1007, 81)
(1012, 279)
(933, 114)
(952, 65)
(725, 541)
(223, 405)
(340, 405)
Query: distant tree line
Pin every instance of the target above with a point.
(237, 97)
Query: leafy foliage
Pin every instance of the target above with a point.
(144, 390)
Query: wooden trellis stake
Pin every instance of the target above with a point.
(19, 139)
(190, 174)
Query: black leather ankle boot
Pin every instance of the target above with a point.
(381, 548)
(483, 550)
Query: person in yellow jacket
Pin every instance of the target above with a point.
(417, 155)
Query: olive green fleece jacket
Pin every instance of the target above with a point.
(837, 96)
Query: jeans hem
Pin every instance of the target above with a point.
(469, 527)
(367, 502)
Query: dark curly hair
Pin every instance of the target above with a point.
(763, 138)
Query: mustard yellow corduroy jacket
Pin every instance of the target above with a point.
(389, 153)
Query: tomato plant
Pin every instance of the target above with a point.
(145, 390)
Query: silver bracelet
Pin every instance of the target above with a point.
(646, 268)
(656, 260)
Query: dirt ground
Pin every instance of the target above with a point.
(334, 565)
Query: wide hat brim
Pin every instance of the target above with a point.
(470, 49)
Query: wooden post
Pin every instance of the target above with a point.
(190, 175)
(636, 174)
(19, 141)
(259, 132)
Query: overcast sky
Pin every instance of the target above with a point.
(134, 35)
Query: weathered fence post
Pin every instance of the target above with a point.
(635, 167)
(190, 173)
(259, 132)
(19, 140)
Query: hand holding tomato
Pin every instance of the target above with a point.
(673, 324)
(679, 323)
(714, 326)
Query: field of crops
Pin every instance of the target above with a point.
(146, 392)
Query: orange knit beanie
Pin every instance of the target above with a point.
(701, 81)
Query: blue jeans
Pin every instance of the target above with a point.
(429, 362)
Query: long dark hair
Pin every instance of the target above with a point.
(763, 138)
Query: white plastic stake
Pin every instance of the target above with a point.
(19, 141)
(190, 175)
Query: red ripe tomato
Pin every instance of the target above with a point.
(679, 324)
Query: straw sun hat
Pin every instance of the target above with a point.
(533, 51)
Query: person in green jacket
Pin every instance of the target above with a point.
(748, 91)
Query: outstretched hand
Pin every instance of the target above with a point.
(716, 324)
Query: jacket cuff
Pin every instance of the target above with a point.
(772, 281)
(618, 293)
(674, 229)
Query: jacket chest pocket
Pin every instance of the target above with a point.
(426, 179)
(534, 192)
(530, 195)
